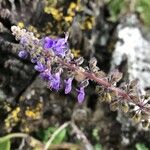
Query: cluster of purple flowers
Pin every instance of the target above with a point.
(58, 47)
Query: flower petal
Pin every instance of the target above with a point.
(68, 85)
(48, 43)
(39, 67)
(23, 54)
(81, 95)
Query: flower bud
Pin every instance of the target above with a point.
(131, 114)
(137, 117)
(85, 83)
(94, 69)
(131, 106)
(92, 62)
(114, 106)
(108, 97)
(79, 61)
(124, 107)
(79, 76)
(99, 89)
(23, 54)
(145, 123)
(133, 83)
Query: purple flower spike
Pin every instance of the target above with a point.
(81, 95)
(48, 43)
(39, 67)
(55, 81)
(23, 54)
(68, 85)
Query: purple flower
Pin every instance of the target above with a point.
(23, 54)
(39, 67)
(34, 60)
(48, 43)
(23, 40)
(60, 52)
(46, 75)
(55, 81)
(81, 94)
(68, 85)
(60, 47)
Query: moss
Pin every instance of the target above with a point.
(143, 7)
(12, 119)
(118, 8)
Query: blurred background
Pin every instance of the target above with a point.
(116, 32)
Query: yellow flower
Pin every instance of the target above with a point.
(72, 5)
(54, 12)
(21, 24)
(68, 19)
(75, 52)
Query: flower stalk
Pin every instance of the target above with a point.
(57, 66)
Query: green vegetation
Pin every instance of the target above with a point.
(143, 7)
(118, 8)
(5, 145)
(98, 147)
(141, 146)
(44, 135)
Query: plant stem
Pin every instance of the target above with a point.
(13, 135)
(49, 142)
(93, 77)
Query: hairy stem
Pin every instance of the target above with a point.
(93, 77)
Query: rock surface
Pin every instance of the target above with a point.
(135, 48)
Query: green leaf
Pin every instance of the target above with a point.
(5, 145)
(95, 134)
(60, 137)
(116, 7)
(141, 146)
(44, 135)
(98, 147)
(48, 133)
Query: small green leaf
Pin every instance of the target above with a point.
(98, 147)
(141, 146)
(5, 145)
(48, 133)
(44, 135)
(95, 134)
(60, 137)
